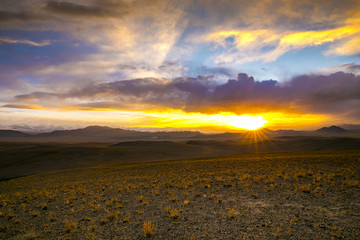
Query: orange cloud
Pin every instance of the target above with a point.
(24, 106)
(248, 44)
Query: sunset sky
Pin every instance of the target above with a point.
(208, 65)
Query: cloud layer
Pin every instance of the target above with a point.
(337, 94)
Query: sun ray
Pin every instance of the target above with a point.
(255, 138)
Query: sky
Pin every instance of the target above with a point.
(210, 65)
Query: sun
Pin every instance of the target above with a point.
(247, 122)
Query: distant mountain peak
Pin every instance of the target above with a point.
(96, 128)
(331, 129)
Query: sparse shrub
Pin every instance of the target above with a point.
(300, 173)
(70, 226)
(96, 208)
(140, 212)
(104, 221)
(192, 237)
(111, 216)
(258, 178)
(305, 188)
(149, 229)
(219, 179)
(93, 227)
(317, 178)
(35, 214)
(266, 224)
(232, 213)
(52, 217)
(245, 177)
(44, 206)
(173, 197)
(126, 219)
(352, 183)
(277, 233)
(141, 198)
(10, 215)
(157, 192)
(173, 213)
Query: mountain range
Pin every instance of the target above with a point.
(108, 134)
(24, 154)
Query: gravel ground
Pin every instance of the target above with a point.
(313, 195)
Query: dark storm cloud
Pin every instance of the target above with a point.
(160, 92)
(13, 16)
(102, 10)
(37, 96)
(169, 64)
(338, 93)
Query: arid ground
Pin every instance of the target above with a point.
(299, 195)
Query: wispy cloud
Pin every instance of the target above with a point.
(7, 16)
(23, 106)
(149, 34)
(348, 67)
(24, 41)
(241, 46)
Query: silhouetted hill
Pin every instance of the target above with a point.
(282, 132)
(99, 133)
(11, 134)
(114, 135)
(332, 129)
(91, 131)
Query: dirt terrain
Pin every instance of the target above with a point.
(300, 195)
(18, 159)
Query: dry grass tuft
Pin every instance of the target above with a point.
(149, 229)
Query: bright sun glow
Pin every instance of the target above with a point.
(169, 119)
(221, 120)
(247, 122)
